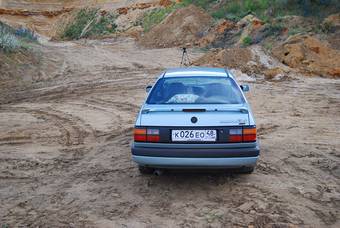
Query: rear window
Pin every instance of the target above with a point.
(195, 90)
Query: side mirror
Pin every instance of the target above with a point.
(148, 88)
(245, 88)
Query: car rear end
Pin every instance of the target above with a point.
(195, 128)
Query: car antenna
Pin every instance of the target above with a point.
(185, 57)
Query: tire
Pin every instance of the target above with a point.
(246, 170)
(145, 170)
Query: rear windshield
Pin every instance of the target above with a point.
(195, 90)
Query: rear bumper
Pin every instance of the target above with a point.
(171, 162)
(195, 155)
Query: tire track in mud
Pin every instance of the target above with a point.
(125, 106)
(73, 131)
(91, 172)
(72, 89)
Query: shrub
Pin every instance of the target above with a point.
(8, 41)
(204, 3)
(105, 25)
(82, 18)
(155, 17)
(296, 30)
(200, 3)
(236, 9)
(275, 29)
(89, 22)
(250, 5)
(246, 41)
(26, 34)
(327, 27)
(268, 46)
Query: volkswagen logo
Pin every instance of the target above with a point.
(194, 119)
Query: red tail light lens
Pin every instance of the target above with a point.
(235, 138)
(152, 135)
(146, 135)
(139, 135)
(235, 135)
(152, 138)
(242, 135)
(249, 134)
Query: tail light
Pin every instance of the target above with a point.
(139, 135)
(152, 135)
(235, 135)
(146, 135)
(249, 134)
(242, 134)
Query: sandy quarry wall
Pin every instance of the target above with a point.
(42, 16)
(58, 4)
(183, 27)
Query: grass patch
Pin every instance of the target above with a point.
(8, 41)
(237, 9)
(297, 30)
(90, 22)
(246, 41)
(26, 34)
(12, 40)
(266, 9)
(275, 29)
(205, 4)
(268, 46)
(156, 16)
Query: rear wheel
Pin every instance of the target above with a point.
(247, 170)
(145, 170)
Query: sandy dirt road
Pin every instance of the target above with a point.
(65, 155)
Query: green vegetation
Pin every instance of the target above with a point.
(13, 40)
(26, 34)
(237, 9)
(156, 16)
(246, 41)
(266, 9)
(205, 4)
(326, 27)
(268, 46)
(297, 30)
(90, 22)
(275, 29)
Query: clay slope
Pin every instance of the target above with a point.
(309, 55)
(183, 27)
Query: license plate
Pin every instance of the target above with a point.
(193, 135)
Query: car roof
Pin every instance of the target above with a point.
(196, 71)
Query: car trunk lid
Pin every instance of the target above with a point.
(185, 115)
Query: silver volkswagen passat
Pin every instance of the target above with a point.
(195, 118)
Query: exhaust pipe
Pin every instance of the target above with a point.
(158, 172)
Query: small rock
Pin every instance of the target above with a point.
(332, 22)
(241, 76)
(261, 205)
(246, 206)
(272, 73)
